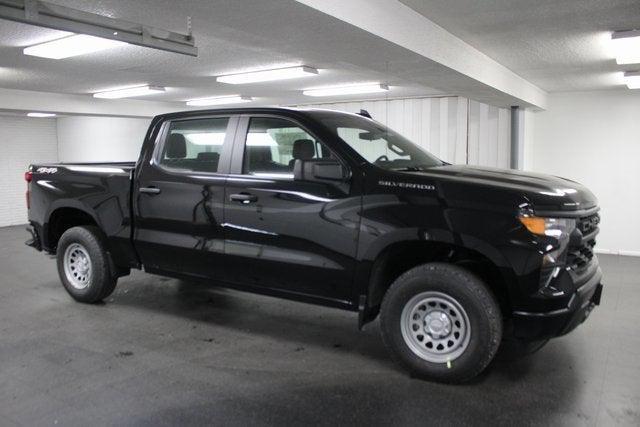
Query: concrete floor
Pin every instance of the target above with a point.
(163, 352)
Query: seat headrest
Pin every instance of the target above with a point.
(176, 146)
(259, 154)
(303, 149)
(208, 156)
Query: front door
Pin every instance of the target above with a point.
(178, 197)
(284, 234)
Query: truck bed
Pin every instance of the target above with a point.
(101, 190)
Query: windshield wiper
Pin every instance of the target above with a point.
(408, 169)
(418, 168)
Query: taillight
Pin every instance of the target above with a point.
(28, 176)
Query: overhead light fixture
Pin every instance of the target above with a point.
(78, 44)
(632, 79)
(129, 92)
(268, 75)
(626, 45)
(220, 100)
(41, 114)
(347, 90)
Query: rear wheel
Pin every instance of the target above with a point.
(84, 264)
(441, 322)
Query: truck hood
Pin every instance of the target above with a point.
(544, 192)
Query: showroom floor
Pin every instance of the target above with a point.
(163, 352)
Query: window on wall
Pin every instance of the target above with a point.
(194, 145)
(273, 145)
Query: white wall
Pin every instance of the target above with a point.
(453, 128)
(489, 135)
(100, 139)
(23, 140)
(594, 138)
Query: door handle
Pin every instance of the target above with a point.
(243, 198)
(149, 190)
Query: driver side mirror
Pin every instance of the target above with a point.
(319, 170)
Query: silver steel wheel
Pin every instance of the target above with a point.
(77, 265)
(435, 327)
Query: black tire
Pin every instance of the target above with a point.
(478, 304)
(101, 282)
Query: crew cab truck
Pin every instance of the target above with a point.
(336, 209)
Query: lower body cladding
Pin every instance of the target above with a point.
(543, 325)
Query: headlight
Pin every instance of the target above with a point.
(552, 227)
(558, 229)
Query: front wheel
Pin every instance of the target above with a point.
(441, 322)
(84, 265)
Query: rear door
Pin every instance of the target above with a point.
(283, 234)
(178, 196)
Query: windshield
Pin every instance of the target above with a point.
(380, 145)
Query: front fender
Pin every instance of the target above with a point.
(376, 250)
(373, 278)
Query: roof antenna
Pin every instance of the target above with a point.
(365, 113)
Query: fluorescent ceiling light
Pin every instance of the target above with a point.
(632, 79)
(129, 92)
(75, 45)
(347, 90)
(626, 45)
(268, 75)
(41, 114)
(221, 100)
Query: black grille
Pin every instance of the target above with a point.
(588, 224)
(581, 255)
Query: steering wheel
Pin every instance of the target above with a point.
(382, 158)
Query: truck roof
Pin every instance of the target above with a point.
(306, 111)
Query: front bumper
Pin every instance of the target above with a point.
(544, 325)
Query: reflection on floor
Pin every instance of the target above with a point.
(162, 352)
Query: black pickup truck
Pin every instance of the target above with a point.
(335, 209)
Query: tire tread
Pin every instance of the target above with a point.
(480, 292)
(103, 281)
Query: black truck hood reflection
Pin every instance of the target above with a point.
(544, 192)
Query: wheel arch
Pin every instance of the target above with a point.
(63, 216)
(399, 256)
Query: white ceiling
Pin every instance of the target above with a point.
(558, 45)
(231, 35)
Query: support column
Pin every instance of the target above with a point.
(517, 138)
